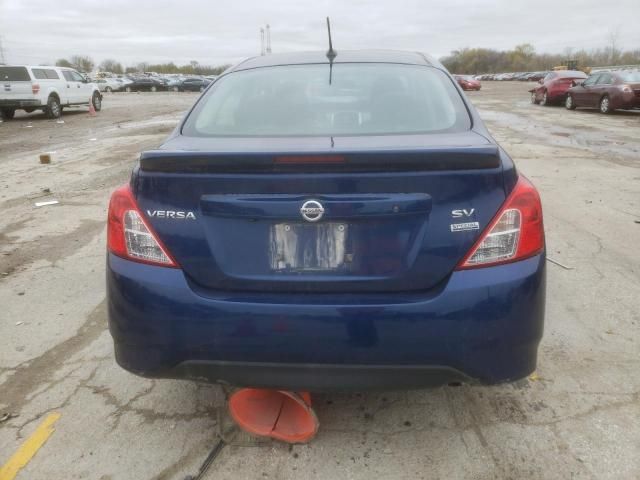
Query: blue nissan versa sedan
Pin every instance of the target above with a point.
(328, 224)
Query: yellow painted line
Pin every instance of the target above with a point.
(29, 448)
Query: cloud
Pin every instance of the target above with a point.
(224, 32)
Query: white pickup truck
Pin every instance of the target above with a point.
(49, 89)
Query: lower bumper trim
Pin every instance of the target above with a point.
(314, 377)
(19, 103)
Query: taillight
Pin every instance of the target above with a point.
(130, 236)
(515, 233)
(35, 88)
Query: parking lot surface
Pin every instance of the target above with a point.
(578, 417)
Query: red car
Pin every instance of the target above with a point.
(606, 91)
(467, 82)
(553, 88)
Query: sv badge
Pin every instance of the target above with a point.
(462, 213)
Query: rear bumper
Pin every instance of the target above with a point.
(480, 326)
(19, 103)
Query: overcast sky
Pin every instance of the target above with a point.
(224, 31)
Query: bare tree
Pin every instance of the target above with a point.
(63, 62)
(82, 63)
(110, 65)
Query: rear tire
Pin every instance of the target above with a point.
(605, 105)
(569, 103)
(53, 108)
(7, 113)
(108, 90)
(96, 99)
(534, 100)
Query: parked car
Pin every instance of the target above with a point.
(173, 82)
(49, 89)
(109, 84)
(266, 244)
(606, 91)
(193, 84)
(537, 76)
(467, 82)
(552, 90)
(145, 84)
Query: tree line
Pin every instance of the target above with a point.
(84, 63)
(523, 58)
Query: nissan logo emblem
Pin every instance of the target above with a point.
(312, 211)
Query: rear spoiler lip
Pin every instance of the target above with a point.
(428, 159)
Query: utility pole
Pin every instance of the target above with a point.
(268, 39)
(2, 60)
(262, 42)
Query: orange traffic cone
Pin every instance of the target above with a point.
(285, 416)
(92, 109)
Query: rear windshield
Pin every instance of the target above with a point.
(14, 74)
(351, 99)
(571, 74)
(630, 76)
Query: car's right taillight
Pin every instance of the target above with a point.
(515, 233)
(130, 236)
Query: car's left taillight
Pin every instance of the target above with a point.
(130, 236)
(515, 233)
(35, 88)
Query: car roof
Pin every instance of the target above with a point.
(343, 56)
(35, 66)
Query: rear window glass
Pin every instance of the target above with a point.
(630, 76)
(299, 100)
(571, 74)
(45, 74)
(14, 74)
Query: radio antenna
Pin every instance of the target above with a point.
(331, 53)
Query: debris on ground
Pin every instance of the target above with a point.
(208, 461)
(44, 204)
(555, 262)
(6, 416)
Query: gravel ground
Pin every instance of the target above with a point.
(578, 417)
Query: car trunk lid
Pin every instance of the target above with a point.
(390, 218)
